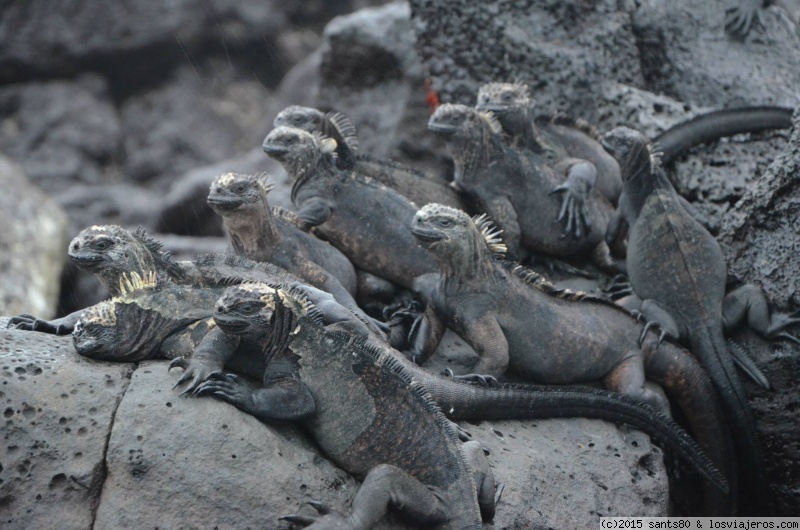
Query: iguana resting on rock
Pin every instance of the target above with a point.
(739, 18)
(572, 144)
(367, 221)
(261, 233)
(515, 319)
(514, 187)
(419, 187)
(109, 251)
(679, 270)
(355, 396)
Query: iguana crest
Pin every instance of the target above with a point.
(632, 151)
(103, 314)
(491, 234)
(510, 95)
(345, 128)
(491, 121)
(568, 120)
(130, 283)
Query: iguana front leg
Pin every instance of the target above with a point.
(58, 326)
(489, 342)
(214, 351)
(425, 338)
(384, 486)
(284, 399)
(315, 211)
(581, 178)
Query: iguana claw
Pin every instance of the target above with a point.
(650, 324)
(739, 19)
(26, 322)
(321, 507)
(480, 379)
(573, 209)
(302, 520)
(330, 519)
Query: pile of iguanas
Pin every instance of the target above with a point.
(332, 307)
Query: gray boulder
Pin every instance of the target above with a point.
(32, 245)
(102, 445)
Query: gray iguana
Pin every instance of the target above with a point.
(109, 251)
(678, 269)
(517, 320)
(360, 400)
(513, 186)
(416, 185)
(367, 221)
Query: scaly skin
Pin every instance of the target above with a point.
(678, 269)
(323, 326)
(513, 107)
(501, 310)
(514, 187)
(261, 233)
(364, 219)
(355, 398)
(416, 185)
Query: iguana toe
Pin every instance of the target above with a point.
(302, 520)
(498, 491)
(321, 507)
(22, 322)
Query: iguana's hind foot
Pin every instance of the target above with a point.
(748, 303)
(385, 485)
(484, 479)
(628, 378)
(746, 364)
(478, 379)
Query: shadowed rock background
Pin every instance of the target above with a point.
(123, 112)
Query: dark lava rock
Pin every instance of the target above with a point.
(91, 444)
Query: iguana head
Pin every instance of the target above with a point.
(455, 238)
(121, 329)
(109, 251)
(454, 119)
(232, 192)
(298, 150)
(248, 309)
(306, 118)
(631, 149)
(501, 98)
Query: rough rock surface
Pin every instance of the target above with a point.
(32, 245)
(57, 413)
(142, 448)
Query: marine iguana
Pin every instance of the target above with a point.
(679, 270)
(514, 187)
(418, 186)
(275, 235)
(739, 17)
(364, 219)
(515, 319)
(359, 395)
(109, 251)
(572, 144)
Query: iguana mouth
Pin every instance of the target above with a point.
(274, 150)
(442, 128)
(607, 146)
(224, 203)
(426, 237)
(86, 259)
(231, 324)
(497, 109)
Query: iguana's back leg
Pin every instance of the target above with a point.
(748, 303)
(385, 485)
(484, 479)
(628, 378)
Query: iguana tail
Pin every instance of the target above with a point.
(687, 383)
(465, 401)
(718, 124)
(708, 345)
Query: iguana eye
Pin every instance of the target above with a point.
(239, 188)
(103, 244)
(248, 309)
(445, 222)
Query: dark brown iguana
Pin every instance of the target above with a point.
(514, 187)
(739, 17)
(360, 404)
(419, 187)
(679, 270)
(109, 251)
(367, 221)
(515, 319)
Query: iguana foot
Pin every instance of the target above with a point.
(479, 379)
(618, 287)
(330, 519)
(196, 371)
(228, 388)
(653, 325)
(28, 322)
(739, 19)
(780, 321)
(574, 211)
